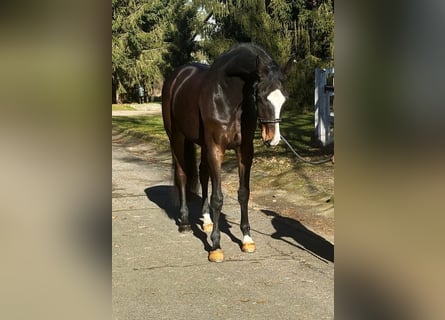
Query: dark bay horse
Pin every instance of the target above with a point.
(217, 107)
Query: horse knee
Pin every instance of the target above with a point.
(216, 202)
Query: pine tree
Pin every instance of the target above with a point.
(152, 37)
(148, 39)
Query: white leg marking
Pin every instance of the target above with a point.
(206, 219)
(277, 99)
(247, 239)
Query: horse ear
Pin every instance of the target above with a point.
(285, 69)
(260, 67)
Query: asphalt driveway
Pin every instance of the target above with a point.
(159, 273)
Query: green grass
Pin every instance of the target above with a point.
(147, 127)
(275, 167)
(120, 107)
(298, 129)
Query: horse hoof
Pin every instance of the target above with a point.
(216, 255)
(207, 227)
(184, 228)
(248, 247)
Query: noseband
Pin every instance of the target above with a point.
(255, 98)
(266, 121)
(261, 120)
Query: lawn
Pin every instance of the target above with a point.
(148, 127)
(298, 129)
(278, 166)
(121, 107)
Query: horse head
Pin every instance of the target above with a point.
(269, 97)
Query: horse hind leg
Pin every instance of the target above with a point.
(180, 181)
(181, 184)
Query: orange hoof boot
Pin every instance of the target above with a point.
(216, 255)
(207, 227)
(248, 247)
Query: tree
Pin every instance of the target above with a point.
(152, 37)
(146, 37)
(298, 29)
(136, 45)
(179, 36)
(247, 21)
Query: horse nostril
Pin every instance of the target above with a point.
(267, 143)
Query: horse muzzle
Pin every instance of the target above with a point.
(270, 131)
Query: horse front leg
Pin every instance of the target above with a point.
(215, 157)
(245, 155)
(207, 224)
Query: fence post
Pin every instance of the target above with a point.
(323, 115)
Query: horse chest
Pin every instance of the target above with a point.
(232, 134)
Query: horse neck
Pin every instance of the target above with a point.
(243, 66)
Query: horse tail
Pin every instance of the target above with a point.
(190, 166)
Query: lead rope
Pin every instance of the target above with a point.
(303, 159)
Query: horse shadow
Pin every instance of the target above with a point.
(166, 198)
(306, 239)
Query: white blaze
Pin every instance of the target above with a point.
(277, 99)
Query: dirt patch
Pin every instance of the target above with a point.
(140, 109)
(304, 195)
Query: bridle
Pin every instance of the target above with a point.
(261, 120)
(267, 121)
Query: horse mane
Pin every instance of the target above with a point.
(255, 50)
(244, 58)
